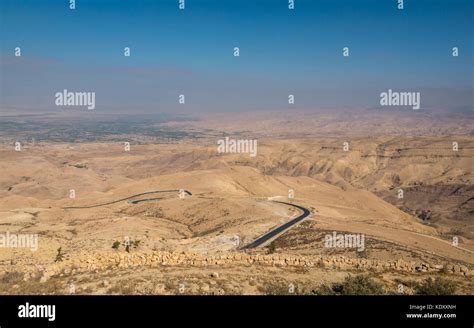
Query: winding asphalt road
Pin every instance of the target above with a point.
(130, 197)
(259, 241)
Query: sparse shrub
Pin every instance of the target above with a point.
(364, 254)
(59, 255)
(279, 289)
(11, 278)
(116, 245)
(323, 290)
(353, 285)
(271, 248)
(360, 285)
(129, 244)
(423, 214)
(438, 286)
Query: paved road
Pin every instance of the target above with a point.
(259, 241)
(127, 198)
(136, 201)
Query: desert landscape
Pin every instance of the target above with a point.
(143, 204)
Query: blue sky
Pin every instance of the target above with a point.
(191, 52)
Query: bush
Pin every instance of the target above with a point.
(129, 244)
(271, 248)
(358, 285)
(59, 255)
(279, 289)
(438, 286)
(12, 278)
(116, 245)
(323, 290)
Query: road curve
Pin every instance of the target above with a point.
(126, 198)
(259, 241)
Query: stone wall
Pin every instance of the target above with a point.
(109, 261)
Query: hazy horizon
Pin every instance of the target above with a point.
(190, 52)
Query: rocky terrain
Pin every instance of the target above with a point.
(350, 182)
